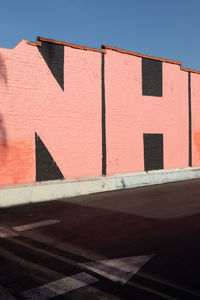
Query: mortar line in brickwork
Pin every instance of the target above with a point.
(103, 115)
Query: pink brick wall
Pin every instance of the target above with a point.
(195, 96)
(69, 121)
(129, 114)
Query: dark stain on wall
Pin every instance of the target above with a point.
(53, 55)
(46, 167)
(151, 77)
(153, 151)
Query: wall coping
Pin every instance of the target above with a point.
(106, 47)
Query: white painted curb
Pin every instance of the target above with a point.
(58, 189)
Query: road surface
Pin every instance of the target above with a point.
(134, 244)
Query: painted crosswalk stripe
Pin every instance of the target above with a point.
(60, 287)
(5, 233)
(35, 225)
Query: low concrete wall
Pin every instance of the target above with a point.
(58, 189)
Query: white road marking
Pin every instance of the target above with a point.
(35, 225)
(6, 233)
(120, 269)
(60, 287)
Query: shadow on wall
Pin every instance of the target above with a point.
(3, 71)
(3, 141)
(3, 135)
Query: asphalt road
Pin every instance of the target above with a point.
(133, 244)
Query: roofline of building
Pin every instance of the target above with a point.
(141, 55)
(105, 47)
(42, 39)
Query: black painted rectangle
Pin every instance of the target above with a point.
(151, 77)
(153, 151)
(46, 167)
(53, 55)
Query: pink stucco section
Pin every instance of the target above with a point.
(129, 114)
(195, 108)
(68, 122)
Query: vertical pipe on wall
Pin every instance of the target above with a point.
(190, 119)
(103, 115)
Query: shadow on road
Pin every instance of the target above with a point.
(87, 233)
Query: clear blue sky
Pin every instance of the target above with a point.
(162, 28)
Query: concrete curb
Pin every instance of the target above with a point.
(4, 295)
(58, 189)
